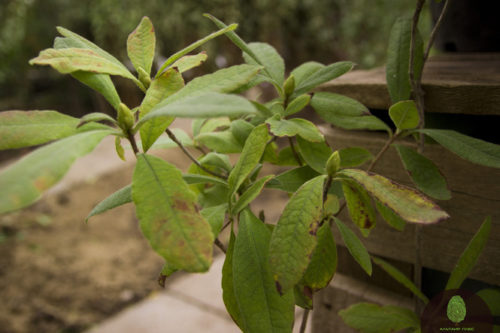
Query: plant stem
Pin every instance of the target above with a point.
(435, 29)
(382, 151)
(131, 139)
(219, 244)
(172, 136)
(303, 325)
(295, 154)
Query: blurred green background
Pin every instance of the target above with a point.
(301, 30)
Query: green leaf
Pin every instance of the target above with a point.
(291, 180)
(316, 154)
(250, 157)
(373, 318)
(174, 57)
(141, 45)
(470, 255)
(213, 196)
(471, 149)
(262, 309)
(215, 216)
(166, 271)
(215, 124)
(191, 178)
(95, 116)
(354, 156)
(492, 298)
(168, 216)
(250, 194)
(210, 105)
(241, 129)
(160, 88)
(398, 60)
(294, 237)
(286, 157)
(355, 247)
(404, 201)
(23, 182)
(228, 294)
(456, 309)
(360, 206)
(296, 126)
(190, 61)
(323, 260)
(424, 173)
(305, 70)
(30, 128)
(225, 80)
(297, 104)
(303, 296)
(322, 75)
(390, 217)
(404, 115)
(99, 82)
(270, 59)
(397, 275)
(345, 112)
(214, 159)
(119, 148)
(221, 142)
(71, 60)
(118, 198)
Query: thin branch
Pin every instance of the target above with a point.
(172, 136)
(295, 154)
(131, 139)
(382, 151)
(303, 325)
(435, 29)
(219, 244)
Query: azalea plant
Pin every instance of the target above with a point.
(270, 266)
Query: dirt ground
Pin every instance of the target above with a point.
(58, 274)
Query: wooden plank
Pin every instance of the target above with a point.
(476, 194)
(453, 83)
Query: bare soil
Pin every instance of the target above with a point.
(59, 274)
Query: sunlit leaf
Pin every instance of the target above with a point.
(470, 255)
(141, 45)
(30, 128)
(296, 126)
(404, 115)
(24, 181)
(262, 308)
(118, 198)
(297, 104)
(406, 202)
(270, 59)
(355, 247)
(250, 156)
(294, 237)
(168, 216)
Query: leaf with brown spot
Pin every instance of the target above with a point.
(23, 182)
(168, 216)
(408, 203)
(293, 239)
(141, 45)
(360, 206)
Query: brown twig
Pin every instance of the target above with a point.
(172, 136)
(382, 151)
(219, 244)
(133, 143)
(303, 324)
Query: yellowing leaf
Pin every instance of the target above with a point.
(190, 61)
(141, 45)
(406, 202)
(168, 216)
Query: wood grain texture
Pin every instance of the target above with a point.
(453, 83)
(475, 195)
